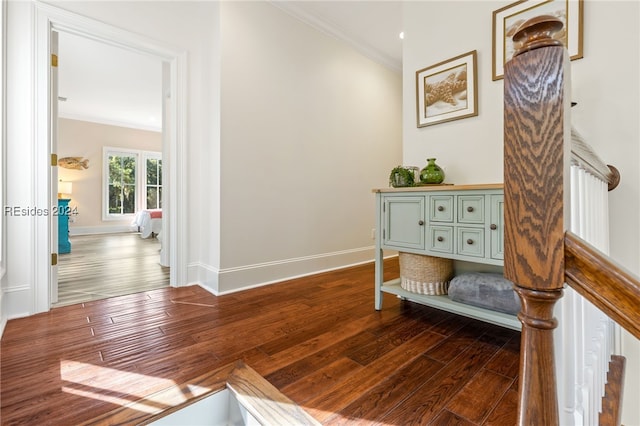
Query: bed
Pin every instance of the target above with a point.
(148, 222)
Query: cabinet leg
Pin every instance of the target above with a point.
(379, 273)
(378, 304)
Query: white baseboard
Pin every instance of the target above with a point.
(16, 296)
(230, 280)
(204, 275)
(11, 299)
(90, 230)
(3, 316)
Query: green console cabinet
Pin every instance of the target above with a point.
(459, 222)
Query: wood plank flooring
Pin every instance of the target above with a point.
(107, 265)
(318, 339)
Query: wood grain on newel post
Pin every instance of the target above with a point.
(536, 163)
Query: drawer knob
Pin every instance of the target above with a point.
(469, 241)
(421, 222)
(470, 209)
(493, 227)
(440, 208)
(440, 239)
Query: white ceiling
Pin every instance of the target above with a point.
(111, 85)
(108, 84)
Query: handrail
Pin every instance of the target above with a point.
(539, 255)
(608, 286)
(584, 156)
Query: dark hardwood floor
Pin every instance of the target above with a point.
(318, 339)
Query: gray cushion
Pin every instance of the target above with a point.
(486, 290)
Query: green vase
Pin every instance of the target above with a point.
(432, 173)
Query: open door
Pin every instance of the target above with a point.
(166, 149)
(53, 216)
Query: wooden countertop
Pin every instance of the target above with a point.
(441, 187)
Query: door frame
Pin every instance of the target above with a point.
(47, 19)
(53, 147)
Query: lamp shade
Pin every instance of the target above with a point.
(64, 188)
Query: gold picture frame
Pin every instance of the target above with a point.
(447, 90)
(507, 19)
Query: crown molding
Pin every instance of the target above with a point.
(334, 30)
(108, 122)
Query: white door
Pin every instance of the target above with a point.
(53, 218)
(165, 247)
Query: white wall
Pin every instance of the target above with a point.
(605, 85)
(469, 149)
(309, 127)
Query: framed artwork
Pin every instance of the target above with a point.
(447, 90)
(507, 20)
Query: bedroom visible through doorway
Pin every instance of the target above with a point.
(110, 135)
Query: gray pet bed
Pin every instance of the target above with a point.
(486, 290)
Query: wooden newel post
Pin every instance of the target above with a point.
(536, 163)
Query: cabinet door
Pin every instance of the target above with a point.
(497, 226)
(404, 222)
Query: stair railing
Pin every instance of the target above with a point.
(540, 255)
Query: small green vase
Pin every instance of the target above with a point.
(432, 173)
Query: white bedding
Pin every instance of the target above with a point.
(149, 226)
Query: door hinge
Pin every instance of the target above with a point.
(54, 259)
(54, 60)
(54, 159)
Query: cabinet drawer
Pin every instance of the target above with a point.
(440, 239)
(441, 208)
(471, 241)
(471, 209)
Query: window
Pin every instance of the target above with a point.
(153, 181)
(122, 183)
(133, 181)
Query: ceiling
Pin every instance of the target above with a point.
(108, 84)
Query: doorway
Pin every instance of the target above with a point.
(110, 149)
(49, 19)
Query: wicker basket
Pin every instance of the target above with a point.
(425, 274)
